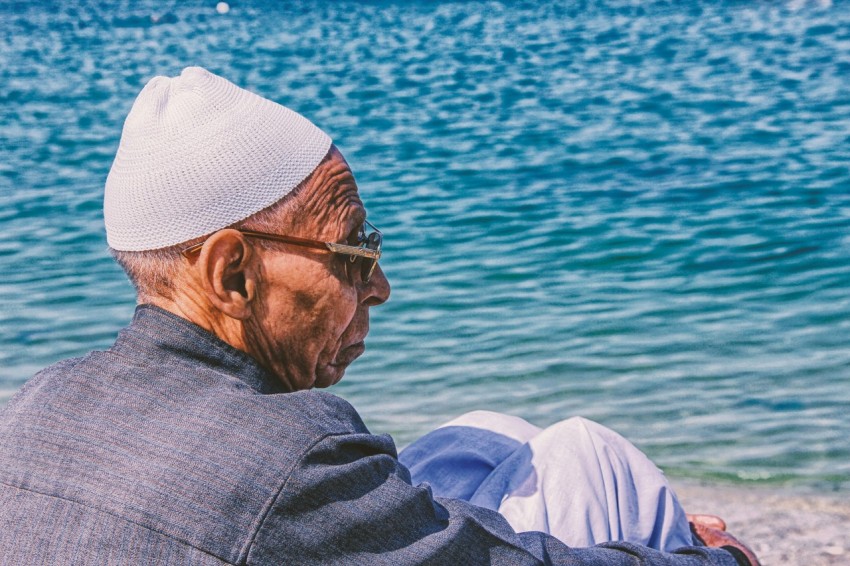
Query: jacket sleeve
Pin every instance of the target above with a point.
(349, 501)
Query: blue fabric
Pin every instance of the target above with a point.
(575, 479)
(174, 448)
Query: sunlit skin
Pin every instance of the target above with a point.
(295, 310)
(711, 530)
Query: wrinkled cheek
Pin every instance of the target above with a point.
(306, 301)
(337, 335)
(335, 319)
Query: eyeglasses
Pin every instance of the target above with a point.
(363, 257)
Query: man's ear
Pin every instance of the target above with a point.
(227, 274)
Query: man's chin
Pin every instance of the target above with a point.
(328, 378)
(332, 373)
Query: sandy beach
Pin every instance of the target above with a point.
(783, 527)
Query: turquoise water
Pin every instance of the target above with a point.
(634, 211)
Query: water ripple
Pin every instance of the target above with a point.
(633, 211)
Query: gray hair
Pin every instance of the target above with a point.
(154, 272)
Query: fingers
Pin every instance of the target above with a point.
(712, 521)
(717, 538)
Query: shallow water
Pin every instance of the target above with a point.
(633, 211)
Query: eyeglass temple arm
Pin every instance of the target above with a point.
(330, 246)
(286, 239)
(336, 248)
(263, 236)
(353, 250)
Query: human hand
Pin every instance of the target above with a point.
(711, 531)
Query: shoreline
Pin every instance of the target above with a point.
(782, 526)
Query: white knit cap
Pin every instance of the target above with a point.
(197, 154)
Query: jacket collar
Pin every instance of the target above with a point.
(156, 332)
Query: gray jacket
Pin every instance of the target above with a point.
(172, 447)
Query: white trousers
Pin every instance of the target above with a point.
(575, 480)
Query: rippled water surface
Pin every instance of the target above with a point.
(634, 211)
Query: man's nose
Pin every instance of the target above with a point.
(377, 290)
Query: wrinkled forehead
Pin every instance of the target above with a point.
(330, 203)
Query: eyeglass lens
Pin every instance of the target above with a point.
(367, 264)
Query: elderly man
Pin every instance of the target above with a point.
(199, 436)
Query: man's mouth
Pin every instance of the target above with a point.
(349, 354)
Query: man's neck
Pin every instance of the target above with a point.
(198, 312)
